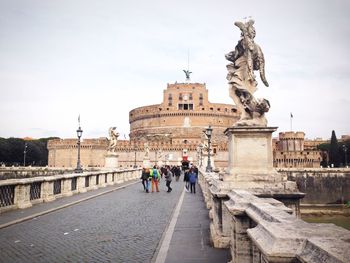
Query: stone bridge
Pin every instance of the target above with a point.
(105, 216)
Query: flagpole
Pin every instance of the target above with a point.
(291, 122)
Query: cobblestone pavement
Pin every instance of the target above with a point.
(122, 226)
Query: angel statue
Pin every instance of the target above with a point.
(246, 58)
(113, 139)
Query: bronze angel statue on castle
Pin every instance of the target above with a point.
(246, 58)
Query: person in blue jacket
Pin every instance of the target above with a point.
(193, 179)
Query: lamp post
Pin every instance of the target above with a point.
(24, 154)
(345, 156)
(79, 134)
(208, 132)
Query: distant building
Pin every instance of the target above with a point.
(170, 128)
(292, 150)
(174, 127)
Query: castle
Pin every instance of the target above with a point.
(174, 129)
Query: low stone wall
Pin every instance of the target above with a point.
(260, 229)
(23, 193)
(321, 185)
(28, 172)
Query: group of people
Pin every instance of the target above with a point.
(151, 177)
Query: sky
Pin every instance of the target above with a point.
(102, 58)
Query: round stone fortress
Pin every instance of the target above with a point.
(171, 128)
(174, 127)
(182, 116)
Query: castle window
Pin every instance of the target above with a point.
(190, 97)
(200, 99)
(218, 109)
(181, 106)
(190, 106)
(211, 108)
(225, 109)
(203, 108)
(233, 110)
(170, 100)
(180, 96)
(185, 106)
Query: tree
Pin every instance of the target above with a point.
(12, 151)
(333, 152)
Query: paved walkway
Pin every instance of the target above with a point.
(121, 224)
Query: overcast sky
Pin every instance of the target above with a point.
(102, 58)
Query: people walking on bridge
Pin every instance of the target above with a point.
(168, 177)
(193, 179)
(155, 178)
(145, 179)
(177, 172)
(187, 181)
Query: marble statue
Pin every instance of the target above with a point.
(113, 139)
(246, 58)
(187, 73)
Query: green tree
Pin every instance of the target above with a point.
(12, 151)
(333, 152)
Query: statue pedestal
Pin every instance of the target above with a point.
(250, 156)
(111, 160)
(146, 163)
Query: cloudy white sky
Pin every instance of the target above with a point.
(102, 58)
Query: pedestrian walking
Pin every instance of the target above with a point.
(193, 179)
(187, 181)
(145, 179)
(155, 178)
(168, 177)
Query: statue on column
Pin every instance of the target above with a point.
(113, 139)
(246, 58)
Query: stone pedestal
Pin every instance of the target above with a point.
(146, 163)
(111, 160)
(250, 161)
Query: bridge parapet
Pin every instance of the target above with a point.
(263, 229)
(23, 193)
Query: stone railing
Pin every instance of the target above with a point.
(258, 229)
(29, 171)
(23, 193)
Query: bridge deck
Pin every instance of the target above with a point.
(112, 224)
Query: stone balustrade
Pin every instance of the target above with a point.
(262, 229)
(23, 193)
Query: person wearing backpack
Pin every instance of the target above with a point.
(155, 177)
(144, 177)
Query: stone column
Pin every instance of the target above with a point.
(92, 184)
(22, 196)
(67, 187)
(47, 191)
(81, 184)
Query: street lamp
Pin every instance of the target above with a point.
(24, 154)
(208, 132)
(345, 156)
(79, 134)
